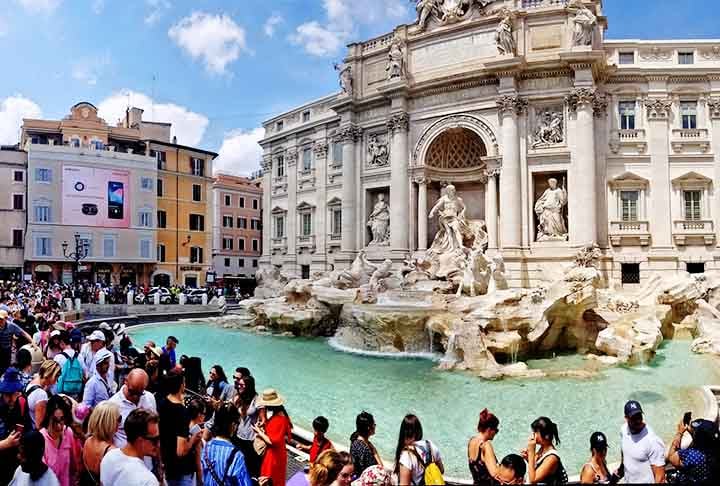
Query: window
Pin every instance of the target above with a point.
(688, 114)
(306, 224)
(241, 244)
(145, 248)
(146, 184)
(695, 267)
(109, 247)
(42, 213)
(306, 116)
(227, 221)
(197, 192)
(162, 219)
(241, 202)
(627, 58)
(228, 200)
(305, 272)
(307, 160)
(197, 166)
(19, 201)
(630, 273)
(43, 175)
(686, 57)
(75, 142)
(197, 222)
(43, 246)
(161, 253)
(280, 166)
(627, 115)
(97, 145)
(279, 126)
(161, 158)
(145, 218)
(255, 204)
(629, 205)
(255, 246)
(279, 226)
(337, 152)
(18, 176)
(227, 262)
(255, 263)
(160, 188)
(196, 254)
(242, 223)
(17, 238)
(241, 262)
(227, 244)
(692, 205)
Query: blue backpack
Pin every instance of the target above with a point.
(71, 376)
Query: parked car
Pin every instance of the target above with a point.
(165, 296)
(194, 296)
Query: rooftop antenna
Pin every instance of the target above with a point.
(152, 98)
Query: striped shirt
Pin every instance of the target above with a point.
(215, 457)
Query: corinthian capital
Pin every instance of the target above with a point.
(320, 148)
(398, 122)
(579, 97)
(511, 105)
(266, 163)
(658, 108)
(349, 134)
(291, 157)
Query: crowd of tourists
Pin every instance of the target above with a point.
(88, 407)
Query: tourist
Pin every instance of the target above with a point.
(95, 342)
(125, 466)
(169, 349)
(132, 395)
(218, 388)
(222, 462)
(14, 419)
(42, 336)
(8, 330)
(276, 433)
(544, 463)
(32, 471)
(152, 368)
(62, 453)
(99, 388)
(102, 426)
(194, 378)
(331, 468)
(320, 443)
(109, 345)
(37, 390)
(23, 363)
(246, 399)
(363, 451)
(54, 346)
(481, 454)
(643, 452)
(512, 470)
(374, 476)
(178, 448)
(196, 410)
(72, 373)
(697, 464)
(413, 455)
(595, 471)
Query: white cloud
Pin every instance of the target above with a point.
(156, 9)
(188, 126)
(89, 70)
(271, 23)
(240, 153)
(12, 111)
(341, 24)
(215, 39)
(98, 6)
(40, 6)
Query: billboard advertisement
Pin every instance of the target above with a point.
(95, 197)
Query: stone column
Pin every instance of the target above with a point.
(509, 108)
(660, 215)
(491, 208)
(291, 157)
(582, 200)
(320, 226)
(399, 183)
(601, 190)
(348, 136)
(422, 214)
(713, 109)
(267, 233)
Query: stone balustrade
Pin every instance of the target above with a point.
(306, 242)
(629, 232)
(634, 140)
(684, 230)
(541, 3)
(683, 139)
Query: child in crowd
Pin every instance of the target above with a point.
(320, 442)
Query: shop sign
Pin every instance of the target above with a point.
(191, 269)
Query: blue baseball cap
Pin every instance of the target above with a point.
(10, 381)
(632, 408)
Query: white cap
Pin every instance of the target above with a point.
(96, 336)
(102, 355)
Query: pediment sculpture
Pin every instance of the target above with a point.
(345, 78)
(446, 11)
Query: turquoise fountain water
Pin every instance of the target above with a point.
(318, 380)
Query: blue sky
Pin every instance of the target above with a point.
(217, 68)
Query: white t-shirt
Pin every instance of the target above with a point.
(640, 452)
(118, 469)
(38, 395)
(147, 401)
(61, 359)
(23, 479)
(410, 460)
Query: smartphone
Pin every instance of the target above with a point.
(116, 200)
(19, 428)
(687, 418)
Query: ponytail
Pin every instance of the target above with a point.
(547, 429)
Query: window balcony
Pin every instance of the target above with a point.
(306, 242)
(693, 231)
(628, 141)
(628, 233)
(279, 245)
(690, 140)
(279, 185)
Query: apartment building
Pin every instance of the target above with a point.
(13, 205)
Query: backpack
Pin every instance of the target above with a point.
(71, 376)
(432, 475)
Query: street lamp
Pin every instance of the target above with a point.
(82, 251)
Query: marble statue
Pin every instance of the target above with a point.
(359, 273)
(584, 22)
(383, 271)
(549, 129)
(504, 38)
(498, 280)
(454, 227)
(346, 78)
(396, 60)
(549, 209)
(379, 222)
(378, 152)
(425, 8)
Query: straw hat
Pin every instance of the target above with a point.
(271, 398)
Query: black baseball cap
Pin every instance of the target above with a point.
(632, 408)
(598, 441)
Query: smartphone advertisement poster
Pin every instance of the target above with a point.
(95, 197)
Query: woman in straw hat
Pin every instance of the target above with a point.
(276, 433)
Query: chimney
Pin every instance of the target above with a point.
(134, 117)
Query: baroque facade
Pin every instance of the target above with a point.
(553, 136)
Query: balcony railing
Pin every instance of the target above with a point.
(690, 138)
(694, 229)
(634, 139)
(279, 242)
(541, 3)
(334, 237)
(306, 242)
(629, 233)
(690, 133)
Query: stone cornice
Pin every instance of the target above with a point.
(398, 122)
(511, 104)
(419, 91)
(553, 73)
(658, 108)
